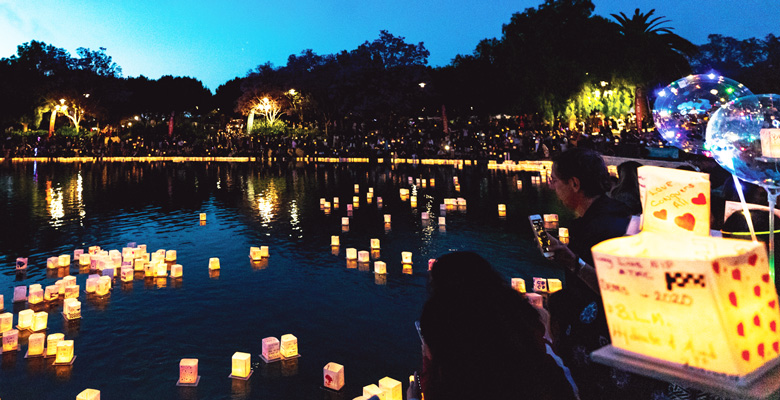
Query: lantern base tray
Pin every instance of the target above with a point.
(10, 350)
(65, 363)
(270, 360)
(20, 329)
(70, 318)
(243, 378)
(291, 357)
(763, 383)
(27, 354)
(179, 383)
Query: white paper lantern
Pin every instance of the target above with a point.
(518, 284)
(64, 352)
(442, 221)
(288, 346)
(104, 286)
(161, 270)
(380, 267)
(52, 292)
(10, 340)
(188, 371)
(64, 260)
(176, 271)
(36, 294)
(69, 280)
(77, 254)
(364, 256)
(387, 218)
(89, 394)
(126, 274)
(71, 308)
(254, 253)
(333, 376)
(6, 322)
(52, 262)
(351, 253)
(373, 390)
(139, 264)
(271, 348)
(202, 216)
(336, 201)
(213, 263)
(51, 343)
(40, 321)
(264, 251)
(241, 365)
(334, 240)
(170, 255)
(424, 215)
(35, 344)
(391, 388)
(345, 221)
(92, 282)
(20, 293)
(540, 285)
(406, 257)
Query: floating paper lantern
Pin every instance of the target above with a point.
(355, 201)
(518, 284)
(51, 293)
(288, 346)
(188, 371)
(109, 272)
(71, 308)
(21, 263)
(563, 235)
(387, 218)
(202, 216)
(406, 257)
(264, 251)
(104, 286)
(692, 284)
(20, 293)
(40, 321)
(60, 283)
(10, 340)
(64, 260)
(126, 274)
(64, 352)
(35, 345)
(379, 202)
(327, 206)
(176, 271)
(93, 249)
(271, 349)
(443, 209)
(351, 253)
(336, 201)
(391, 388)
(357, 188)
(373, 390)
(25, 319)
(554, 285)
(161, 270)
(140, 264)
(85, 260)
(333, 376)
(345, 221)
(52, 262)
(374, 244)
(77, 254)
(380, 267)
(69, 280)
(89, 394)
(551, 222)
(502, 208)
(6, 322)
(51, 343)
(519, 184)
(241, 365)
(36, 294)
(334, 240)
(424, 215)
(322, 201)
(540, 285)
(363, 256)
(92, 282)
(213, 263)
(170, 255)
(442, 221)
(150, 270)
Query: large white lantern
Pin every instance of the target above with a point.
(36, 294)
(71, 308)
(92, 282)
(364, 256)
(72, 292)
(170, 256)
(6, 322)
(104, 286)
(51, 343)
(176, 271)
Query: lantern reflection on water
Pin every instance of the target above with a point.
(36, 294)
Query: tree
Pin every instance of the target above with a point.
(97, 62)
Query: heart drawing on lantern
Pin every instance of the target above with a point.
(699, 200)
(328, 380)
(660, 214)
(685, 221)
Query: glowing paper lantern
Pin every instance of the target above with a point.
(104, 286)
(77, 254)
(6, 322)
(126, 274)
(502, 208)
(270, 349)
(213, 263)
(64, 352)
(379, 202)
(25, 319)
(674, 201)
(387, 218)
(357, 188)
(391, 388)
(540, 285)
(672, 288)
(254, 253)
(176, 271)
(89, 394)
(51, 293)
(36, 294)
(563, 235)
(288, 347)
(64, 260)
(406, 257)
(351, 253)
(140, 264)
(202, 216)
(35, 344)
(241, 365)
(373, 390)
(20, 293)
(170, 255)
(71, 308)
(92, 282)
(345, 221)
(518, 284)
(40, 321)
(161, 270)
(51, 343)
(188, 371)
(264, 251)
(334, 240)
(380, 267)
(333, 376)
(85, 260)
(52, 262)
(442, 221)
(336, 201)
(550, 222)
(424, 215)
(554, 285)
(10, 340)
(363, 256)
(21, 263)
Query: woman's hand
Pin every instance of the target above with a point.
(562, 255)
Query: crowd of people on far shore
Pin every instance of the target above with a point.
(517, 138)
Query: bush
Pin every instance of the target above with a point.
(263, 128)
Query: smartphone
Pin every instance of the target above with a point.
(542, 239)
(417, 382)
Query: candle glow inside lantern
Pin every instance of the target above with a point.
(36, 294)
(35, 345)
(6, 322)
(391, 388)
(406, 257)
(71, 308)
(21, 263)
(518, 284)
(373, 390)
(176, 271)
(89, 394)
(213, 263)
(264, 251)
(380, 267)
(202, 216)
(64, 352)
(363, 256)
(51, 293)
(40, 321)
(10, 340)
(345, 221)
(126, 274)
(550, 222)
(693, 284)
(64, 260)
(92, 282)
(333, 376)
(502, 208)
(20, 293)
(270, 349)
(351, 253)
(140, 264)
(563, 235)
(254, 253)
(241, 365)
(149, 269)
(334, 240)
(374, 244)
(442, 221)
(188, 371)
(288, 346)
(674, 201)
(52, 262)
(170, 255)
(51, 343)
(25, 319)
(161, 270)
(387, 218)
(85, 260)
(104, 286)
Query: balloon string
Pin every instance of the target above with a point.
(745, 210)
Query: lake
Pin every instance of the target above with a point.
(129, 344)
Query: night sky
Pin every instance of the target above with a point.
(215, 41)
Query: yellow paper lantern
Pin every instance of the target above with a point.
(674, 201)
(35, 344)
(170, 255)
(373, 390)
(406, 257)
(6, 322)
(64, 352)
(176, 271)
(241, 365)
(213, 263)
(550, 222)
(202, 216)
(25, 319)
(10, 340)
(161, 270)
(391, 388)
(51, 343)
(36, 294)
(660, 293)
(363, 256)
(264, 251)
(126, 274)
(40, 321)
(72, 291)
(351, 253)
(518, 284)
(92, 283)
(188, 371)
(89, 394)
(334, 240)
(51, 293)
(380, 267)
(71, 308)
(288, 346)
(333, 376)
(345, 221)
(104, 286)
(64, 260)
(52, 262)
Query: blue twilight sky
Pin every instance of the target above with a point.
(216, 41)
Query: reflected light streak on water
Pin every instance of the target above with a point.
(56, 209)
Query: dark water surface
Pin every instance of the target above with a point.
(129, 345)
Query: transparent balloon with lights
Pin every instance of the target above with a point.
(683, 108)
(744, 138)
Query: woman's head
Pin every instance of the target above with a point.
(462, 269)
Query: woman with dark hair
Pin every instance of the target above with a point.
(626, 190)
